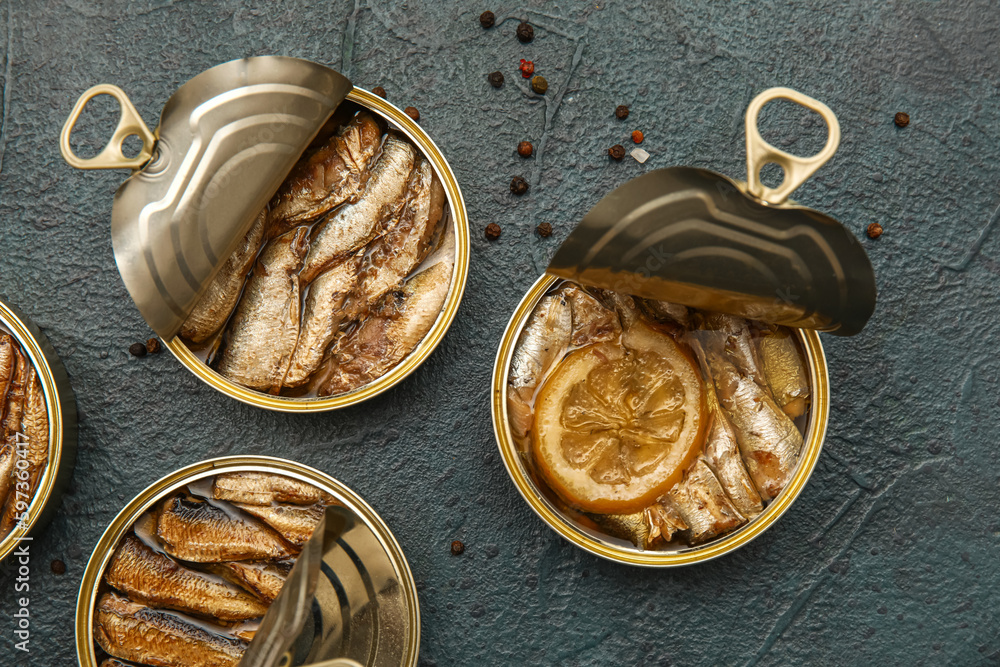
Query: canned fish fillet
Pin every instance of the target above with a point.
(653, 433)
(185, 574)
(37, 429)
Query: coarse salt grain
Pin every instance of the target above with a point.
(639, 155)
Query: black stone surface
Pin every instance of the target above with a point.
(889, 555)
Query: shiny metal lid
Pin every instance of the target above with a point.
(696, 237)
(342, 602)
(226, 140)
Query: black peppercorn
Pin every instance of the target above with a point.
(902, 119)
(518, 185)
(495, 79)
(874, 230)
(137, 350)
(525, 33)
(493, 231)
(457, 548)
(412, 113)
(58, 567)
(153, 346)
(617, 151)
(544, 230)
(621, 112)
(487, 19)
(539, 84)
(380, 91)
(525, 149)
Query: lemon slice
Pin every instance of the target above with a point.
(616, 425)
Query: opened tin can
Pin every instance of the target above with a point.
(38, 428)
(369, 605)
(598, 542)
(647, 432)
(226, 141)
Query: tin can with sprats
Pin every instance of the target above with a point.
(203, 559)
(37, 429)
(300, 244)
(660, 397)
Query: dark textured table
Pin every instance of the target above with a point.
(889, 555)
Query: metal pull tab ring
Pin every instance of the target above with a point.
(797, 169)
(111, 157)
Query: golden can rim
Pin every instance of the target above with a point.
(61, 407)
(159, 489)
(815, 434)
(429, 342)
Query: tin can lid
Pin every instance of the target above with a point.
(698, 238)
(226, 140)
(346, 581)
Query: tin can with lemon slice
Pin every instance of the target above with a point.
(610, 527)
(661, 397)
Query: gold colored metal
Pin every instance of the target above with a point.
(797, 169)
(235, 129)
(459, 218)
(225, 141)
(61, 406)
(130, 123)
(698, 238)
(122, 523)
(616, 550)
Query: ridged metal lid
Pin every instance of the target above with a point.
(341, 606)
(226, 140)
(698, 238)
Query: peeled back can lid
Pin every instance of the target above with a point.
(695, 237)
(226, 140)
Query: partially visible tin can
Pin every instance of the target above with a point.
(392, 638)
(60, 404)
(619, 550)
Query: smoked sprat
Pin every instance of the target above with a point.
(189, 583)
(357, 219)
(24, 433)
